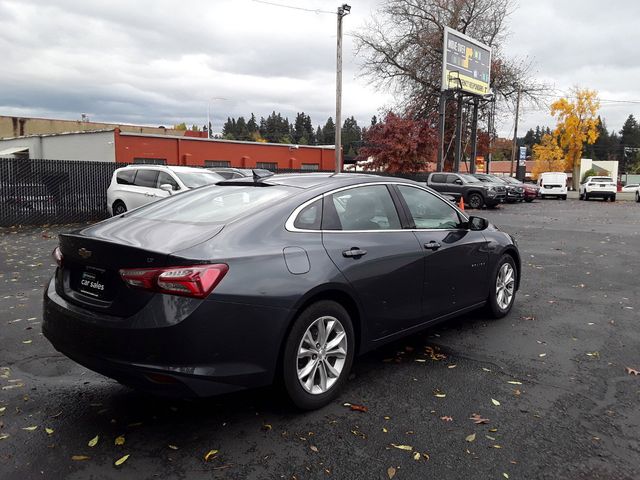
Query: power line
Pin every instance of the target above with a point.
(293, 7)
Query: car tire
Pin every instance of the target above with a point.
(612, 198)
(119, 208)
(581, 196)
(528, 200)
(497, 305)
(542, 197)
(475, 200)
(638, 197)
(306, 329)
(564, 197)
(586, 196)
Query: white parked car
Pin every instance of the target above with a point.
(136, 185)
(631, 187)
(598, 187)
(553, 184)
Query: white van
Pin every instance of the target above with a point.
(136, 185)
(553, 184)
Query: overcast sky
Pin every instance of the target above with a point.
(159, 63)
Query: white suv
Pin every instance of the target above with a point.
(598, 187)
(136, 185)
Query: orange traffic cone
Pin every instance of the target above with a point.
(461, 204)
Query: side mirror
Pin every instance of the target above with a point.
(167, 188)
(457, 181)
(478, 224)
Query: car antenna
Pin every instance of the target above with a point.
(257, 176)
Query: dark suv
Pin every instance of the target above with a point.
(515, 193)
(475, 193)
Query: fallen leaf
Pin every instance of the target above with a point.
(632, 371)
(48, 430)
(94, 441)
(528, 318)
(4, 436)
(121, 460)
(210, 454)
(119, 440)
(496, 446)
(79, 458)
(593, 354)
(358, 408)
(447, 418)
(542, 355)
(513, 382)
(26, 342)
(440, 395)
(402, 447)
(505, 475)
(416, 456)
(471, 438)
(485, 369)
(172, 447)
(2, 409)
(452, 366)
(517, 392)
(384, 430)
(495, 402)
(391, 472)
(30, 429)
(477, 419)
(266, 427)
(432, 352)
(426, 456)
(314, 448)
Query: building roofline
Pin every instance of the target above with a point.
(79, 132)
(219, 140)
(115, 124)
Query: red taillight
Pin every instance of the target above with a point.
(192, 281)
(57, 256)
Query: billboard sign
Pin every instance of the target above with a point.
(523, 157)
(466, 64)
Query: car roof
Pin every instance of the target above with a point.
(311, 180)
(174, 168)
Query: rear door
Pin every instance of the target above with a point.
(455, 258)
(364, 238)
(144, 190)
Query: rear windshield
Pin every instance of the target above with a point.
(198, 179)
(601, 179)
(216, 204)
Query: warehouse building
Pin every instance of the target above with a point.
(115, 145)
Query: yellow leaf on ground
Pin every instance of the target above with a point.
(314, 448)
(384, 430)
(27, 342)
(513, 382)
(505, 475)
(94, 441)
(495, 402)
(30, 429)
(121, 460)
(402, 447)
(2, 409)
(391, 472)
(119, 440)
(416, 456)
(173, 447)
(79, 458)
(210, 454)
(48, 430)
(471, 438)
(3, 436)
(452, 366)
(440, 395)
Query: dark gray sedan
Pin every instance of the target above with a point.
(253, 280)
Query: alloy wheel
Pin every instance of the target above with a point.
(321, 355)
(505, 286)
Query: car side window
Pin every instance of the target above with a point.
(125, 177)
(360, 208)
(146, 178)
(453, 179)
(438, 178)
(429, 211)
(164, 177)
(310, 216)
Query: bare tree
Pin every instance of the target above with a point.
(401, 49)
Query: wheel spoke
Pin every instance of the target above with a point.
(308, 339)
(306, 370)
(335, 342)
(328, 329)
(322, 332)
(309, 383)
(323, 376)
(332, 372)
(338, 352)
(306, 352)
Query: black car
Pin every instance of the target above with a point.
(288, 277)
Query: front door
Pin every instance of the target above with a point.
(383, 263)
(455, 258)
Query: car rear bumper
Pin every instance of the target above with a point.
(219, 348)
(600, 193)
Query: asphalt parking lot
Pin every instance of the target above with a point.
(549, 383)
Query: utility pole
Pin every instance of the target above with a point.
(490, 127)
(441, 128)
(514, 147)
(474, 136)
(343, 11)
(458, 148)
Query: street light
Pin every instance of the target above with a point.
(343, 11)
(209, 114)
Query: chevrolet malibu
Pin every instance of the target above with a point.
(280, 279)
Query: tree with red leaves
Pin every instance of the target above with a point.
(399, 144)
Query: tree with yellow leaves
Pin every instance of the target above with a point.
(577, 125)
(548, 156)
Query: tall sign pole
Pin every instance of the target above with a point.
(474, 136)
(441, 127)
(342, 12)
(515, 133)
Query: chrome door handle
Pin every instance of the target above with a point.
(432, 245)
(355, 252)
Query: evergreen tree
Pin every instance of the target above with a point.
(351, 136)
(241, 131)
(319, 136)
(252, 125)
(329, 132)
(374, 120)
(228, 129)
(630, 133)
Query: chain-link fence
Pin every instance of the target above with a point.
(41, 191)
